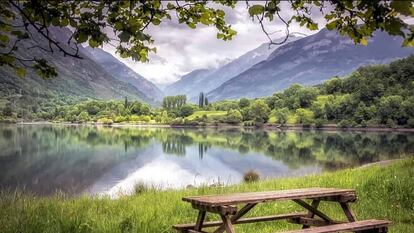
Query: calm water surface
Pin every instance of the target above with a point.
(43, 159)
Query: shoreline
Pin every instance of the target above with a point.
(228, 126)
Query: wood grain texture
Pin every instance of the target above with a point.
(372, 224)
(257, 197)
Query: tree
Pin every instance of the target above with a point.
(94, 22)
(259, 111)
(7, 110)
(83, 116)
(244, 102)
(304, 116)
(126, 103)
(186, 110)
(201, 100)
(174, 102)
(206, 101)
(390, 108)
(282, 115)
(306, 96)
(233, 116)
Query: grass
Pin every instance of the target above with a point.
(383, 193)
(209, 114)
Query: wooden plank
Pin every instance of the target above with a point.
(195, 231)
(227, 224)
(315, 205)
(226, 209)
(348, 212)
(237, 216)
(312, 222)
(379, 225)
(241, 221)
(257, 197)
(200, 220)
(315, 211)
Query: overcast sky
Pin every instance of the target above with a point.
(181, 49)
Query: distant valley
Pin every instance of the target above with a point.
(306, 61)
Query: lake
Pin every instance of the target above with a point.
(44, 159)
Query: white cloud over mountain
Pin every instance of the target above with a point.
(181, 49)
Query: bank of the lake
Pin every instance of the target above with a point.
(328, 127)
(384, 192)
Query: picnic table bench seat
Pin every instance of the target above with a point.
(371, 225)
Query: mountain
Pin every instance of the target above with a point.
(123, 73)
(198, 81)
(77, 79)
(189, 84)
(310, 61)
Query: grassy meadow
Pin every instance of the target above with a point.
(383, 193)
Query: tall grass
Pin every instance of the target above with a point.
(383, 193)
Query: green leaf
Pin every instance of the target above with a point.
(64, 22)
(93, 43)
(191, 25)
(256, 10)
(4, 38)
(332, 25)
(21, 72)
(402, 7)
(55, 22)
(363, 41)
(81, 37)
(118, 26)
(312, 26)
(124, 36)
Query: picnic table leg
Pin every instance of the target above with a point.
(315, 204)
(227, 224)
(313, 210)
(200, 220)
(237, 216)
(348, 212)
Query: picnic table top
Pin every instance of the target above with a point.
(257, 197)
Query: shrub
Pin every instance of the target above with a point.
(105, 121)
(134, 118)
(410, 122)
(233, 117)
(186, 110)
(390, 123)
(373, 122)
(145, 118)
(177, 121)
(139, 188)
(345, 123)
(119, 119)
(251, 176)
(282, 115)
(304, 116)
(319, 123)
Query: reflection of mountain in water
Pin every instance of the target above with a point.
(45, 158)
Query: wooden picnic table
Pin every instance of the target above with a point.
(226, 207)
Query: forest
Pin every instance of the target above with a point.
(374, 95)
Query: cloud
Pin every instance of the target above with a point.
(181, 49)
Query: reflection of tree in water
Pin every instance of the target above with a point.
(176, 143)
(57, 156)
(46, 158)
(332, 150)
(202, 149)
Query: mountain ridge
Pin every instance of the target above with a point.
(210, 79)
(309, 61)
(123, 73)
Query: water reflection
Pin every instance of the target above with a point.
(75, 159)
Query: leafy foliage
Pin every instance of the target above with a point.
(124, 24)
